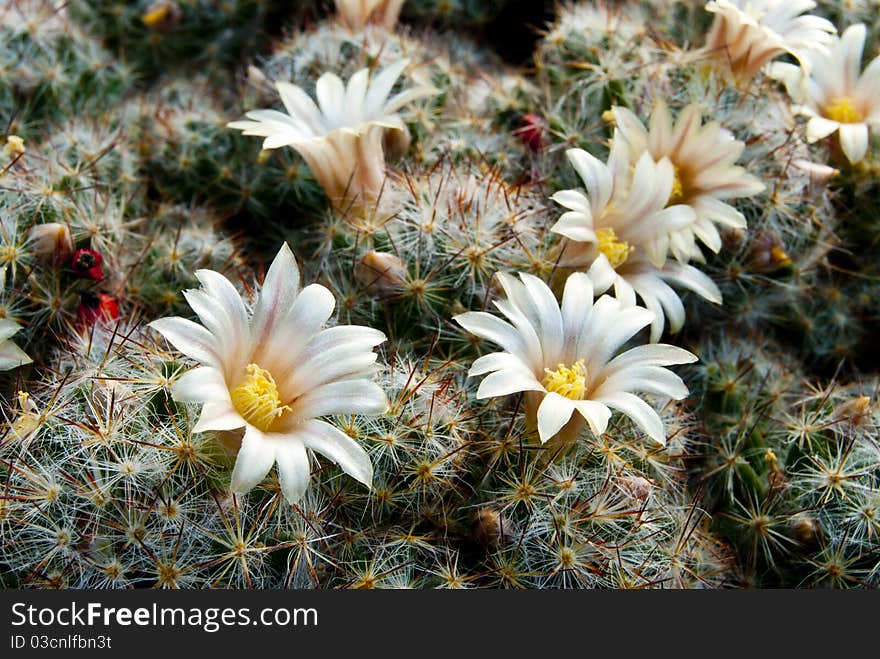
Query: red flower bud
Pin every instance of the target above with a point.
(86, 264)
(96, 307)
(532, 131)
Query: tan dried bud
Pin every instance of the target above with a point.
(635, 487)
(51, 242)
(804, 528)
(381, 274)
(819, 174)
(767, 253)
(492, 528)
(396, 142)
(855, 411)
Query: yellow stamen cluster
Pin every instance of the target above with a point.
(842, 111)
(568, 382)
(779, 256)
(28, 419)
(257, 399)
(677, 194)
(617, 251)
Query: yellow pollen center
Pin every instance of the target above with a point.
(568, 382)
(257, 400)
(617, 251)
(842, 111)
(677, 193)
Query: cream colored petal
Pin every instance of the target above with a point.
(218, 416)
(190, 338)
(642, 414)
(337, 446)
(294, 469)
(199, 385)
(255, 458)
(854, 141)
(553, 413)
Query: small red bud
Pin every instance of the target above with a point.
(96, 307)
(532, 131)
(86, 264)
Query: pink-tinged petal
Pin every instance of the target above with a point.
(573, 200)
(687, 125)
(277, 295)
(190, 338)
(719, 212)
(355, 97)
(630, 127)
(576, 226)
(383, 82)
(854, 141)
(656, 354)
(228, 300)
(687, 276)
(290, 334)
(406, 97)
(301, 107)
(496, 361)
(660, 131)
(526, 324)
(644, 379)
(549, 316)
(200, 385)
(670, 301)
(595, 175)
(294, 469)
(611, 326)
(218, 416)
(852, 43)
(602, 275)
(342, 397)
(624, 292)
(228, 326)
(577, 303)
(332, 337)
(653, 305)
(335, 445)
(330, 91)
(492, 328)
(553, 413)
(642, 414)
(508, 381)
(343, 363)
(819, 127)
(255, 458)
(596, 414)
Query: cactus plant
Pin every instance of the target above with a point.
(603, 320)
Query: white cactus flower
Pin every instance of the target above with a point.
(836, 94)
(340, 137)
(619, 232)
(748, 34)
(275, 373)
(706, 178)
(565, 358)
